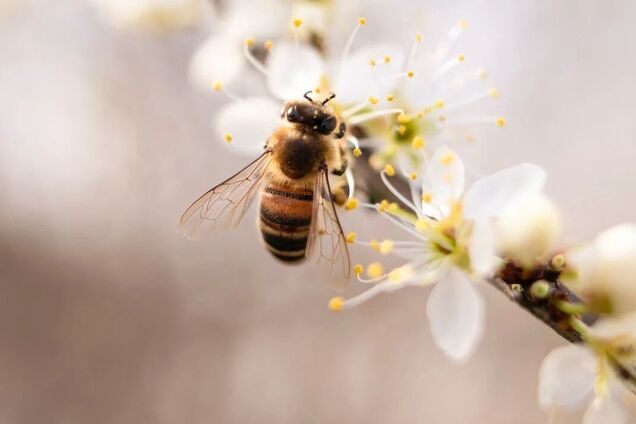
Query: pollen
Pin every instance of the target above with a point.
(386, 247)
(249, 42)
(418, 142)
(427, 197)
(268, 45)
(390, 98)
(375, 245)
(387, 59)
(410, 74)
(447, 159)
(439, 103)
(362, 21)
(419, 38)
(494, 93)
(217, 86)
(351, 204)
(413, 176)
(389, 170)
(373, 100)
(375, 270)
(358, 269)
(297, 23)
(461, 57)
(422, 225)
(501, 122)
(351, 237)
(384, 204)
(227, 137)
(336, 304)
(404, 118)
(357, 152)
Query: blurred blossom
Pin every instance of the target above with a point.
(607, 271)
(154, 15)
(452, 243)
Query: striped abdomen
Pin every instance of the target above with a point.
(284, 220)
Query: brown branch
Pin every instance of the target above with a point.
(515, 283)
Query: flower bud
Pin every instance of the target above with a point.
(528, 229)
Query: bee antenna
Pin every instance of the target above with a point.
(328, 99)
(306, 96)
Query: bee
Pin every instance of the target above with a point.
(291, 178)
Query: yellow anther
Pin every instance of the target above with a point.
(372, 62)
(404, 118)
(386, 247)
(419, 38)
(387, 59)
(422, 225)
(249, 42)
(441, 118)
(389, 170)
(494, 93)
(351, 203)
(297, 22)
(351, 237)
(336, 304)
(461, 57)
(410, 74)
(463, 24)
(482, 74)
(439, 103)
(390, 98)
(393, 208)
(217, 86)
(373, 100)
(413, 176)
(317, 90)
(427, 197)
(375, 245)
(375, 270)
(362, 21)
(399, 274)
(501, 122)
(447, 159)
(358, 269)
(227, 137)
(401, 129)
(268, 44)
(384, 204)
(418, 142)
(357, 152)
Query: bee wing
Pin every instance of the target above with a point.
(326, 239)
(224, 206)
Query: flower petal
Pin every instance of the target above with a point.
(456, 313)
(606, 410)
(490, 195)
(481, 248)
(293, 70)
(566, 377)
(443, 180)
(217, 59)
(246, 18)
(356, 80)
(250, 123)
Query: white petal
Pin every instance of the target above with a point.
(293, 70)
(255, 18)
(444, 180)
(481, 248)
(250, 122)
(456, 313)
(356, 80)
(490, 195)
(615, 328)
(606, 410)
(566, 377)
(217, 59)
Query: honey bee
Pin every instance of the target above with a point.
(291, 178)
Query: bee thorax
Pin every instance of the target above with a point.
(300, 156)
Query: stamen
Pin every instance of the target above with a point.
(352, 37)
(355, 120)
(218, 87)
(351, 182)
(250, 57)
(453, 34)
(397, 193)
(351, 237)
(409, 58)
(418, 142)
(351, 203)
(474, 99)
(296, 23)
(227, 137)
(354, 109)
(375, 270)
(447, 66)
(498, 120)
(461, 80)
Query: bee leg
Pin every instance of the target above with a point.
(342, 129)
(343, 167)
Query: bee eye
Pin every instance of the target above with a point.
(327, 125)
(293, 115)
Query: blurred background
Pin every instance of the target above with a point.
(109, 315)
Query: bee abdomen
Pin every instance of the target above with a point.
(285, 218)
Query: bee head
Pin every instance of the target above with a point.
(314, 116)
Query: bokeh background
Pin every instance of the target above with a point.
(108, 315)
